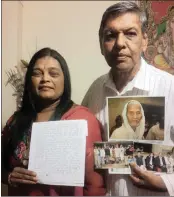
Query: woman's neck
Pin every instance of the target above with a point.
(44, 112)
(42, 107)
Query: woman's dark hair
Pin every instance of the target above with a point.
(23, 119)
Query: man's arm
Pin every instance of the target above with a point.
(169, 182)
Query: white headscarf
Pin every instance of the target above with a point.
(138, 133)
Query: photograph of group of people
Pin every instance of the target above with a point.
(116, 156)
(154, 157)
(113, 155)
(136, 118)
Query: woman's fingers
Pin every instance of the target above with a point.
(23, 176)
(16, 180)
(24, 171)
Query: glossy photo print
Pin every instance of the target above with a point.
(136, 118)
(117, 155)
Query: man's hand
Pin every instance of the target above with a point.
(22, 175)
(146, 179)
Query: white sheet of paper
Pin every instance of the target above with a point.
(57, 152)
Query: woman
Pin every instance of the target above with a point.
(47, 96)
(133, 122)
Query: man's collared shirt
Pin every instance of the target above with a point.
(149, 81)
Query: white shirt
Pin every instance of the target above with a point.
(102, 152)
(151, 157)
(117, 152)
(148, 81)
(161, 161)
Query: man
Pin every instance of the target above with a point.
(107, 154)
(160, 164)
(123, 39)
(133, 122)
(102, 156)
(96, 157)
(117, 153)
(150, 162)
(169, 162)
(118, 123)
(139, 159)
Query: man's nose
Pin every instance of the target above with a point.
(119, 41)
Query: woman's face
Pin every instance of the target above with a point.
(47, 79)
(134, 115)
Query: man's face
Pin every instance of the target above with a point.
(134, 115)
(123, 42)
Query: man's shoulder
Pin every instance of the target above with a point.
(100, 81)
(95, 91)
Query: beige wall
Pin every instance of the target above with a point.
(71, 27)
(11, 54)
(11, 51)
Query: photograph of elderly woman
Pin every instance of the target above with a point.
(108, 155)
(154, 157)
(136, 118)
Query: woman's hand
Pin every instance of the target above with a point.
(146, 179)
(22, 175)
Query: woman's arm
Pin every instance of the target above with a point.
(17, 174)
(5, 137)
(94, 183)
(93, 180)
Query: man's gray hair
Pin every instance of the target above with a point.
(122, 8)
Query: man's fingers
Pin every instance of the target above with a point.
(24, 171)
(137, 181)
(138, 171)
(134, 179)
(23, 176)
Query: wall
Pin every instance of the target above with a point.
(11, 54)
(69, 27)
(72, 29)
(11, 51)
